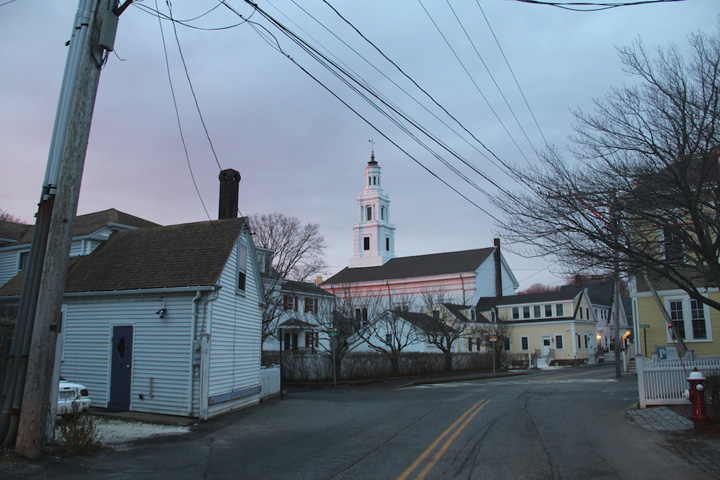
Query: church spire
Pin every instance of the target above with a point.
(374, 235)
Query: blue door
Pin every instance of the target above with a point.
(121, 368)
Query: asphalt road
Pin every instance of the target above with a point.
(564, 424)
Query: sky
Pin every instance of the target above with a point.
(511, 73)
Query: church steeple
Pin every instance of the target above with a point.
(374, 235)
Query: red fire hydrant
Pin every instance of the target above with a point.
(697, 398)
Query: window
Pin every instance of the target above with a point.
(690, 317)
(290, 302)
(698, 320)
(587, 313)
(436, 314)
(241, 266)
(672, 243)
(22, 260)
(558, 342)
(368, 213)
(581, 314)
(312, 339)
(526, 312)
(387, 244)
(470, 344)
(361, 316)
(366, 243)
(506, 344)
(311, 305)
(586, 340)
(579, 342)
(559, 310)
(676, 314)
(548, 311)
(536, 311)
(516, 313)
(382, 212)
(524, 344)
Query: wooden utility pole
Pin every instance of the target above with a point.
(47, 320)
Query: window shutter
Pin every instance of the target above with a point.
(295, 303)
(285, 302)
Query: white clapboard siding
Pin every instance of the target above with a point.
(161, 349)
(9, 265)
(235, 321)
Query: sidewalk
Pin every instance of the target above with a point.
(701, 450)
(659, 419)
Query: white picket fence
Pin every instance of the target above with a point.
(664, 382)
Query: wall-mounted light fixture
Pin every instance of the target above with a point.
(163, 311)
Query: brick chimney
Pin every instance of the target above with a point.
(498, 268)
(229, 187)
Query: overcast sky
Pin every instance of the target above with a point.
(300, 151)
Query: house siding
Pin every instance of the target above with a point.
(160, 353)
(235, 337)
(657, 334)
(569, 331)
(9, 265)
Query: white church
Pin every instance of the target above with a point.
(461, 277)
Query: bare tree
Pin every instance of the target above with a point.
(388, 332)
(441, 327)
(298, 249)
(643, 193)
(6, 216)
(344, 322)
(537, 288)
(501, 332)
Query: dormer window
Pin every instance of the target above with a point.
(22, 260)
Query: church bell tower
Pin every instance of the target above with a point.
(374, 235)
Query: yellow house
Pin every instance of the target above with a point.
(696, 323)
(558, 327)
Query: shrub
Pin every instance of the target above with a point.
(712, 394)
(76, 434)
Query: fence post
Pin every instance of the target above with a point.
(640, 365)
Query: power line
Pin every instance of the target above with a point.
(472, 80)
(511, 72)
(314, 55)
(594, 6)
(345, 75)
(177, 114)
(492, 77)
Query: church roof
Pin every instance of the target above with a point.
(415, 266)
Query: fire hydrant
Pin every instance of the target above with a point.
(697, 398)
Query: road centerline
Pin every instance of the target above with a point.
(469, 414)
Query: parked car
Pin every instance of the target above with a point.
(69, 393)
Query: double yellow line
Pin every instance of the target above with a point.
(463, 421)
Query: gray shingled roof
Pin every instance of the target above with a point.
(13, 231)
(415, 266)
(308, 288)
(187, 255)
(92, 222)
(486, 303)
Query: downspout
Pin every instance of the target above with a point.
(194, 350)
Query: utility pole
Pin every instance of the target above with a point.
(97, 19)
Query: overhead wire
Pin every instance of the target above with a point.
(424, 91)
(472, 80)
(192, 90)
(595, 6)
(276, 45)
(399, 87)
(492, 77)
(325, 61)
(512, 72)
(177, 114)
